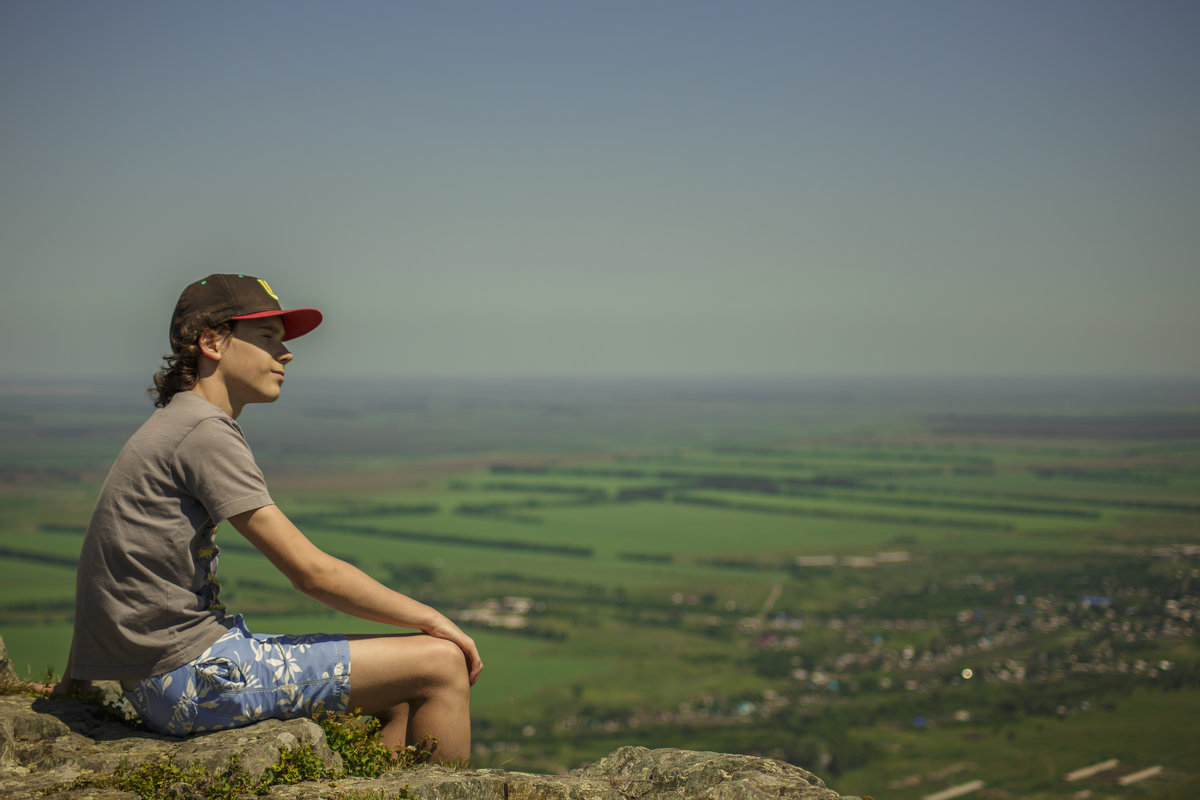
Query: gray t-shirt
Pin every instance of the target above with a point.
(146, 588)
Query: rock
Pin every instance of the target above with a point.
(8, 745)
(631, 773)
(47, 743)
(8, 675)
(668, 774)
(439, 783)
(257, 746)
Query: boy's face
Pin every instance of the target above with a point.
(253, 359)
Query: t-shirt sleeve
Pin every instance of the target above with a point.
(217, 468)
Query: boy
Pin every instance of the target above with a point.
(146, 607)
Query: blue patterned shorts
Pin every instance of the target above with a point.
(244, 678)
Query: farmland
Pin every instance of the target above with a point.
(900, 585)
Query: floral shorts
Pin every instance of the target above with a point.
(244, 678)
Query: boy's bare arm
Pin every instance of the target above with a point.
(342, 586)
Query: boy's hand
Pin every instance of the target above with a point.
(443, 628)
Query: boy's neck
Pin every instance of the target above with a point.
(214, 391)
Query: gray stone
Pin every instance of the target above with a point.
(257, 746)
(8, 675)
(46, 743)
(33, 727)
(631, 773)
(67, 738)
(8, 744)
(439, 783)
(667, 774)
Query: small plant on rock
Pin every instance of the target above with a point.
(295, 765)
(356, 739)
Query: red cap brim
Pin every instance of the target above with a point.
(296, 321)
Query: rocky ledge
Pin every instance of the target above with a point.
(47, 744)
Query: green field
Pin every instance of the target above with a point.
(899, 587)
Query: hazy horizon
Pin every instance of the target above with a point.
(623, 190)
(887, 395)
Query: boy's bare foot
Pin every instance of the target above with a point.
(63, 688)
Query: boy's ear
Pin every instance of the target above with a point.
(211, 344)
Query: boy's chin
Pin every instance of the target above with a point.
(264, 398)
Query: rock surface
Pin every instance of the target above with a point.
(47, 743)
(7, 673)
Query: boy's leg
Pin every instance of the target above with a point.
(415, 685)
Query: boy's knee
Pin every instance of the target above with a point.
(418, 667)
(446, 662)
(444, 668)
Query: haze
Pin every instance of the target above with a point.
(611, 189)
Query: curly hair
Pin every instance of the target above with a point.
(182, 367)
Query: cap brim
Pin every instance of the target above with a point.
(296, 321)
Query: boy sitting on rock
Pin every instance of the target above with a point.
(146, 606)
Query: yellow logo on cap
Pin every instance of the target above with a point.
(267, 286)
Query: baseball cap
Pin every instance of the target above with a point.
(233, 297)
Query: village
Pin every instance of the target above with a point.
(1064, 651)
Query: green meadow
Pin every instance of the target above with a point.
(901, 586)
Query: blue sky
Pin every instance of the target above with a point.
(611, 188)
